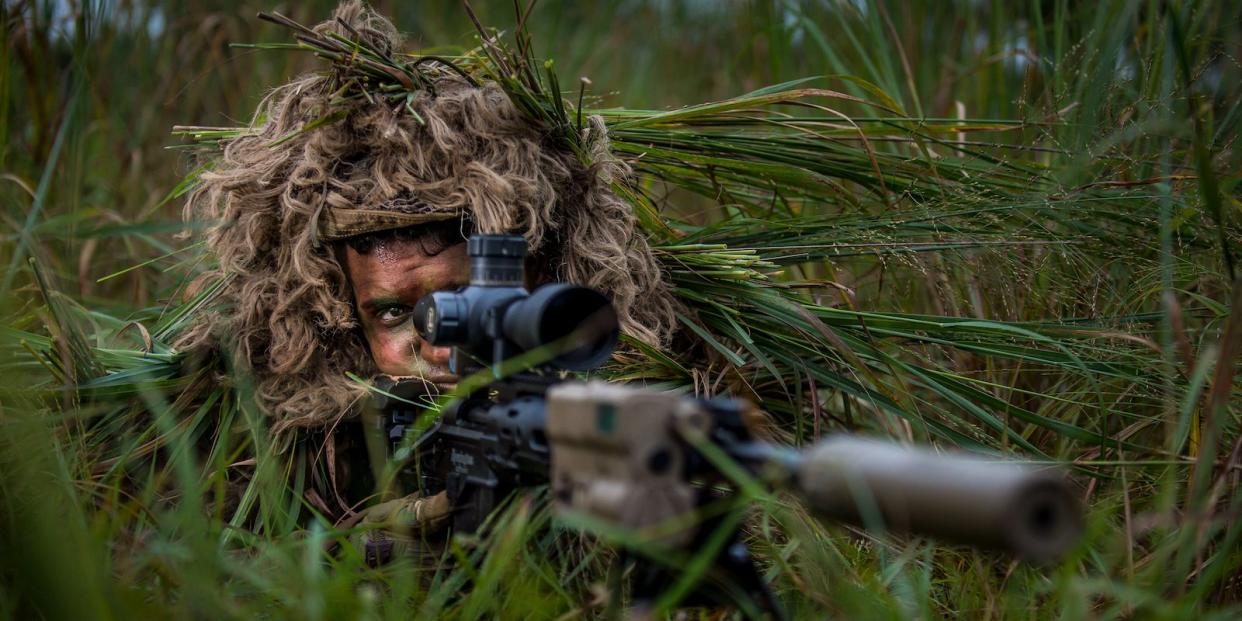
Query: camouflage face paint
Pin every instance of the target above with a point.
(386, 283)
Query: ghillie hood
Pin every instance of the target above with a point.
(329, 155)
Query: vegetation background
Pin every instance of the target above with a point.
(1082, 154)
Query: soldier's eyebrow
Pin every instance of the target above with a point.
(371, 305)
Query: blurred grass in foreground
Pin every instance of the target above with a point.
(983, 102)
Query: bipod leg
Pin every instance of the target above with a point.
(646, 585)
(738, 568)
(734, 580)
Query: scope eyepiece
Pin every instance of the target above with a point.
(442, 318)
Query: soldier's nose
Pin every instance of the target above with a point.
(435, 355)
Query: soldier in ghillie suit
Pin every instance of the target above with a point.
(325, 236)
(348, 197)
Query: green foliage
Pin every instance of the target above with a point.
(994, 225)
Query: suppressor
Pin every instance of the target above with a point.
(1025, 508)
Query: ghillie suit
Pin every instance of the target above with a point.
(280, 193)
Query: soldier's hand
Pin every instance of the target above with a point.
(400, 527)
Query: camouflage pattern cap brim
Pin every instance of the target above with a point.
(337, 224)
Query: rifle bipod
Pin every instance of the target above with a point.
(732, 577)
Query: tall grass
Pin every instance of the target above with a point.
(997, 225)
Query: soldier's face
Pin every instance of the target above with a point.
(387, 282)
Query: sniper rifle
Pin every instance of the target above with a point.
(652, 461)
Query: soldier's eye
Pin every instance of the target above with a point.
(393, 315)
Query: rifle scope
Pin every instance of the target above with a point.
(495, 318)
